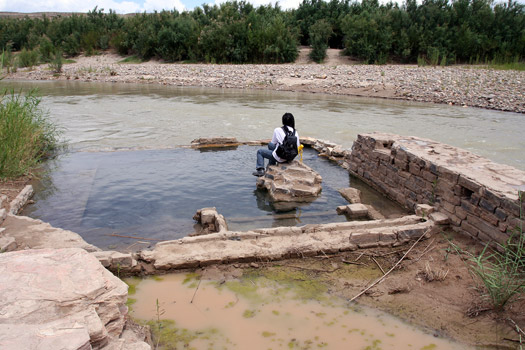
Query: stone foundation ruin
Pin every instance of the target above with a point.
(442, 184)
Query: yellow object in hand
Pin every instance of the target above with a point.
(301, 146)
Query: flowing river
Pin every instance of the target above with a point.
(98, 116)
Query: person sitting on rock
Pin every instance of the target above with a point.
(277, 140)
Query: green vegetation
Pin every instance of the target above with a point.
(26, 135)
(435, 32)
(501, 270)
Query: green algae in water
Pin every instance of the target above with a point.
(169, 337)
(249, 313)
(429, 347)
(192, 277)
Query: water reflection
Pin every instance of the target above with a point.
(155, 193)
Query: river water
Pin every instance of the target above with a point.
(99, 116)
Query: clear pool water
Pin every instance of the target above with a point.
(154, 194)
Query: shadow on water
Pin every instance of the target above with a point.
(155, 193)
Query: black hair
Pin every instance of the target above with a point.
(289, 120)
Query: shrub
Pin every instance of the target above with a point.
(28, 58)
(26, 135)
(56, 64)
(320, 33)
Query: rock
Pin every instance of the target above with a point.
(3, 214)
(35, 234)
(357, 210)
(439, 218)
(210, 220)
(7, 244)
(352, 195)
(59, 299)
(215, 142)
(291, 182)
(424, 210)
(21, 200)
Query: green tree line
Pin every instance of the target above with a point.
(435, 31)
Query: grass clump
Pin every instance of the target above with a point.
(26, 135)
(502, 270)
(131, 59)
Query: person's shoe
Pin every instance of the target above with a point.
(259, 172)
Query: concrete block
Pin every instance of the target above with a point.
(424, 210)
(364, 238)
(439, 218)
(357, 210)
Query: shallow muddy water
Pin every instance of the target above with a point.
(258, 313)
(99, 116)
(155, 193)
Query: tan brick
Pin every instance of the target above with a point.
(461, 213)
(428, 176)
(490, 218)
(469, 184)
(451, 198)
(465, 226)
(448, 175)
(413, 168)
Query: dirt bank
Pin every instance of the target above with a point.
(457, 85)
(432, 288)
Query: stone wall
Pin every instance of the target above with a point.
(479, 197)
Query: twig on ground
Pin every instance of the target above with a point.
(426, 250)
(516, 327)
(392, 269)
(193, 297)
(310, 269)
(352, 262)
(380, 268)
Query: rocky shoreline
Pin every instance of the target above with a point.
(467, 86)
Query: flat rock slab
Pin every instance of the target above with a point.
(283, 242)
(352, 195)
(36, 234)
(58, 299)
(291, 182)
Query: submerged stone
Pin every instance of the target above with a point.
(291, 182)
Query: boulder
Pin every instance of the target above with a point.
(210, 221)
(352, 195)
(59, 299)
(291, 182)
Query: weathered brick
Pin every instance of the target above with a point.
(490, 218)
(455, 220)
(444, 186)
(503, 227)
(469, 184)
(401, 164)
(451, 198)
(511, 207)
(382, 170)
(488, 206)
(449, 207)
(490, 196)
(428, 176)
(474, 199)
(461, 213)
(404, 174)
(449, 175)
(411, 184)
(433, 169)
(494, 235)
(484, 227)
(465, 226)
(469, 207)
(414, 168)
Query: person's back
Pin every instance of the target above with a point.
(277, 152)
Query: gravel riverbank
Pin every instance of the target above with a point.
(458, 85)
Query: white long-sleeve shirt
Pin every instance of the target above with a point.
(278, 138)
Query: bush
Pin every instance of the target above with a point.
(26, 135)
(320, 33)
(56, 64)
(28, 58)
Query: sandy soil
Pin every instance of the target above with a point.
(432, 288)
(466, 86)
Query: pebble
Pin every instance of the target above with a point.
(454, 85)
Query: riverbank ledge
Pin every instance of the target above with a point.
(469, 86)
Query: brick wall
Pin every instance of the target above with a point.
(480, 197)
